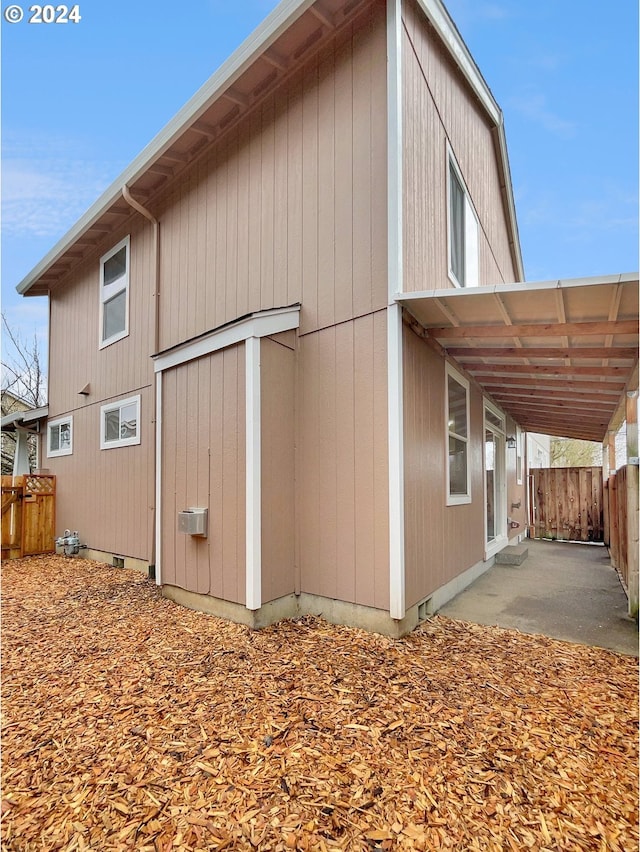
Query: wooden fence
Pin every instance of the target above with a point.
(28, 515)
(566, 503)
(621, 530)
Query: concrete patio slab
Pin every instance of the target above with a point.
(563, 590)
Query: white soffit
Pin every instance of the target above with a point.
(555, 355)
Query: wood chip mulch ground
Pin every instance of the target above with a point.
(130, 723)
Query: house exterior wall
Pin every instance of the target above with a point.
(342, 475)
(440, 541)
(107, 495)
(203, 465)
(439, 109)
(291, 205)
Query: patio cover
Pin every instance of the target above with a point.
(558, 356)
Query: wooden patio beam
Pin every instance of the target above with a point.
(548, 370)
(535, 330)
(463, 352)
(585, 404)
(569, 396)
(586, 417)
(544, 381)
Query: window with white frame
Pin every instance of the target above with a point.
(462, 231)
(457, 413)
(120, 423)
(114, 294)
(60, 437)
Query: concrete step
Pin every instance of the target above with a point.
(514, 554)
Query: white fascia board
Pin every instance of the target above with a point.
(447, 31)
(254, 45)
(260, 324)
(518, 287)
(395, 412)
(511, 204)
(394, 148)
(253, 474)
(158, 483)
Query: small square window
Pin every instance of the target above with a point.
(120, 423)
(114, 294)
(60, 437)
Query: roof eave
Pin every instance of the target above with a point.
(255, 44)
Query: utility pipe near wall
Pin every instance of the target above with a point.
(131, 201)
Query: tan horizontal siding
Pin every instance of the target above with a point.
(438, 107)
(203, 465)
(291, 205)
(440, 541)
(341, 474)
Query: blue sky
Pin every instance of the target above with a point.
(80, 101)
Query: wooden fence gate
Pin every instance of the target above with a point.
(566, 503)
(28, 515)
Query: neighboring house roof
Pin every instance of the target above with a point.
(286, 38)
(12, 402)
(24, 418)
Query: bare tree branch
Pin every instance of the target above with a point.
(22, 371)
(23, 387)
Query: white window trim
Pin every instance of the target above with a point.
(519, 455)
(501, 538)
(471, 229)
(457, 499)
(111, 290)
(67, 451)
(111, 406)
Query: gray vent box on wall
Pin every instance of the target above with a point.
(193, 522)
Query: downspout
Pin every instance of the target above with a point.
(126, 194)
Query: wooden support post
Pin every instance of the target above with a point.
(632, 501)
(613, 520)
(611, 455)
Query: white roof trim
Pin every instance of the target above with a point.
(15, 418)
(260, 324)
(448, 32)
(518, 287)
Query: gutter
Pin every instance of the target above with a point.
(131, 201)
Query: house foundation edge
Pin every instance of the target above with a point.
(107, 557)
(295, 606)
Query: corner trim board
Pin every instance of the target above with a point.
(158, 483)
(394, 150)
(397, 608)
(253, 476)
